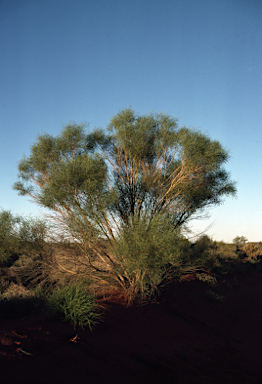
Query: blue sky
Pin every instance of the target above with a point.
(82, 61)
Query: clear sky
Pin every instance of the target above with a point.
(82, 61)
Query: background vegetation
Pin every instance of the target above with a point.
(32, 281)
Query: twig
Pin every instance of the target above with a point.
(24, 352)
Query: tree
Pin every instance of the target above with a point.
(115, 193)
(240, 240)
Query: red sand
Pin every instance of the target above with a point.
(183, 339)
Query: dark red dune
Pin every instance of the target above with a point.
(184, 338)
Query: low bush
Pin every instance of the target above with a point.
(252, 251)
(209, 256)
(74, 303)
(211, 280)
(7, 276)
(17, 302)
(9, 240)
(36, 269)
(32, 233)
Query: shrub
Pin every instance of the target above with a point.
(211, 280)
(32, 233)
(253, 251)
(210, 255)
(145, 254)
(7, 277)
(75, 304)
(226, 258)
(17, 302)
(8, 237)
(200, 255)
(36, 269)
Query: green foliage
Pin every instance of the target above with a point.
(18, 234)
(240, 240)
(9, 239)
(200, 254)
(32, 233)
(23, 259)
(161, 167)
(226, 258)
(146, 254)
(75, 304)
(209, 255)
(145, 170)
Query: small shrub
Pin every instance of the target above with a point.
(202, 253)
(8, 237)
(7, 277)
(16, 290)
(211, 280)
(36, 269)
(32, 233)
(75, 304)
(253, 251)
(17, 302)
(224, 257)
(20, 236)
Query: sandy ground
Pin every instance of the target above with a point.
(184, 338)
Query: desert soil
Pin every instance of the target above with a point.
(183, 338)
